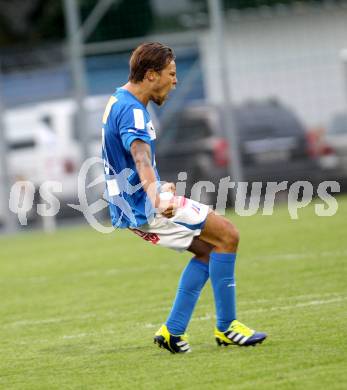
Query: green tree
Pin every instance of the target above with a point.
(38, 21)
(124, 19)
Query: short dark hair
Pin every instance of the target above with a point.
(152, 55)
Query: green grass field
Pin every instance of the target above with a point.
(79, 310)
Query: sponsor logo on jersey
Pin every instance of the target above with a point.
(151, 130)
(196, 208)
(151, 237)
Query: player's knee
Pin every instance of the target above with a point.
(201, 250)
(203, 254)
(231, 238)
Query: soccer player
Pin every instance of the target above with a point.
(138, 201)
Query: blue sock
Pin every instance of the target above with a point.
(192, 280)
(221, 268)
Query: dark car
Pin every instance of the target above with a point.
(272, 141)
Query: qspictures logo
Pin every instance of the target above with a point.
(251, 198)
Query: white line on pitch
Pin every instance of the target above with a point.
(299, 305)
(334, 297)
(298, 256)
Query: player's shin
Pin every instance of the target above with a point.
(221, 270)
(192, 280)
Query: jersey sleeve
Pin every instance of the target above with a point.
(132, 125)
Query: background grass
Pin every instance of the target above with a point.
(79, 309)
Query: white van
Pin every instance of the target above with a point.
(44, 145)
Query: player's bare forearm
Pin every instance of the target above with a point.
(141, 154)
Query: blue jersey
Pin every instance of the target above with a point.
(125, 120)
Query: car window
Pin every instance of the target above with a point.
(21, 144)
(192, 129)
(185, 129)
(254, 124)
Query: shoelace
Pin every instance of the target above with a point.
(242, 329)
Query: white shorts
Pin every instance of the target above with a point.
(176, 232)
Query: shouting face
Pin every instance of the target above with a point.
(163, 83)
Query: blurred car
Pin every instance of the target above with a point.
(273, 146)
(43, 145)
(25, 135)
